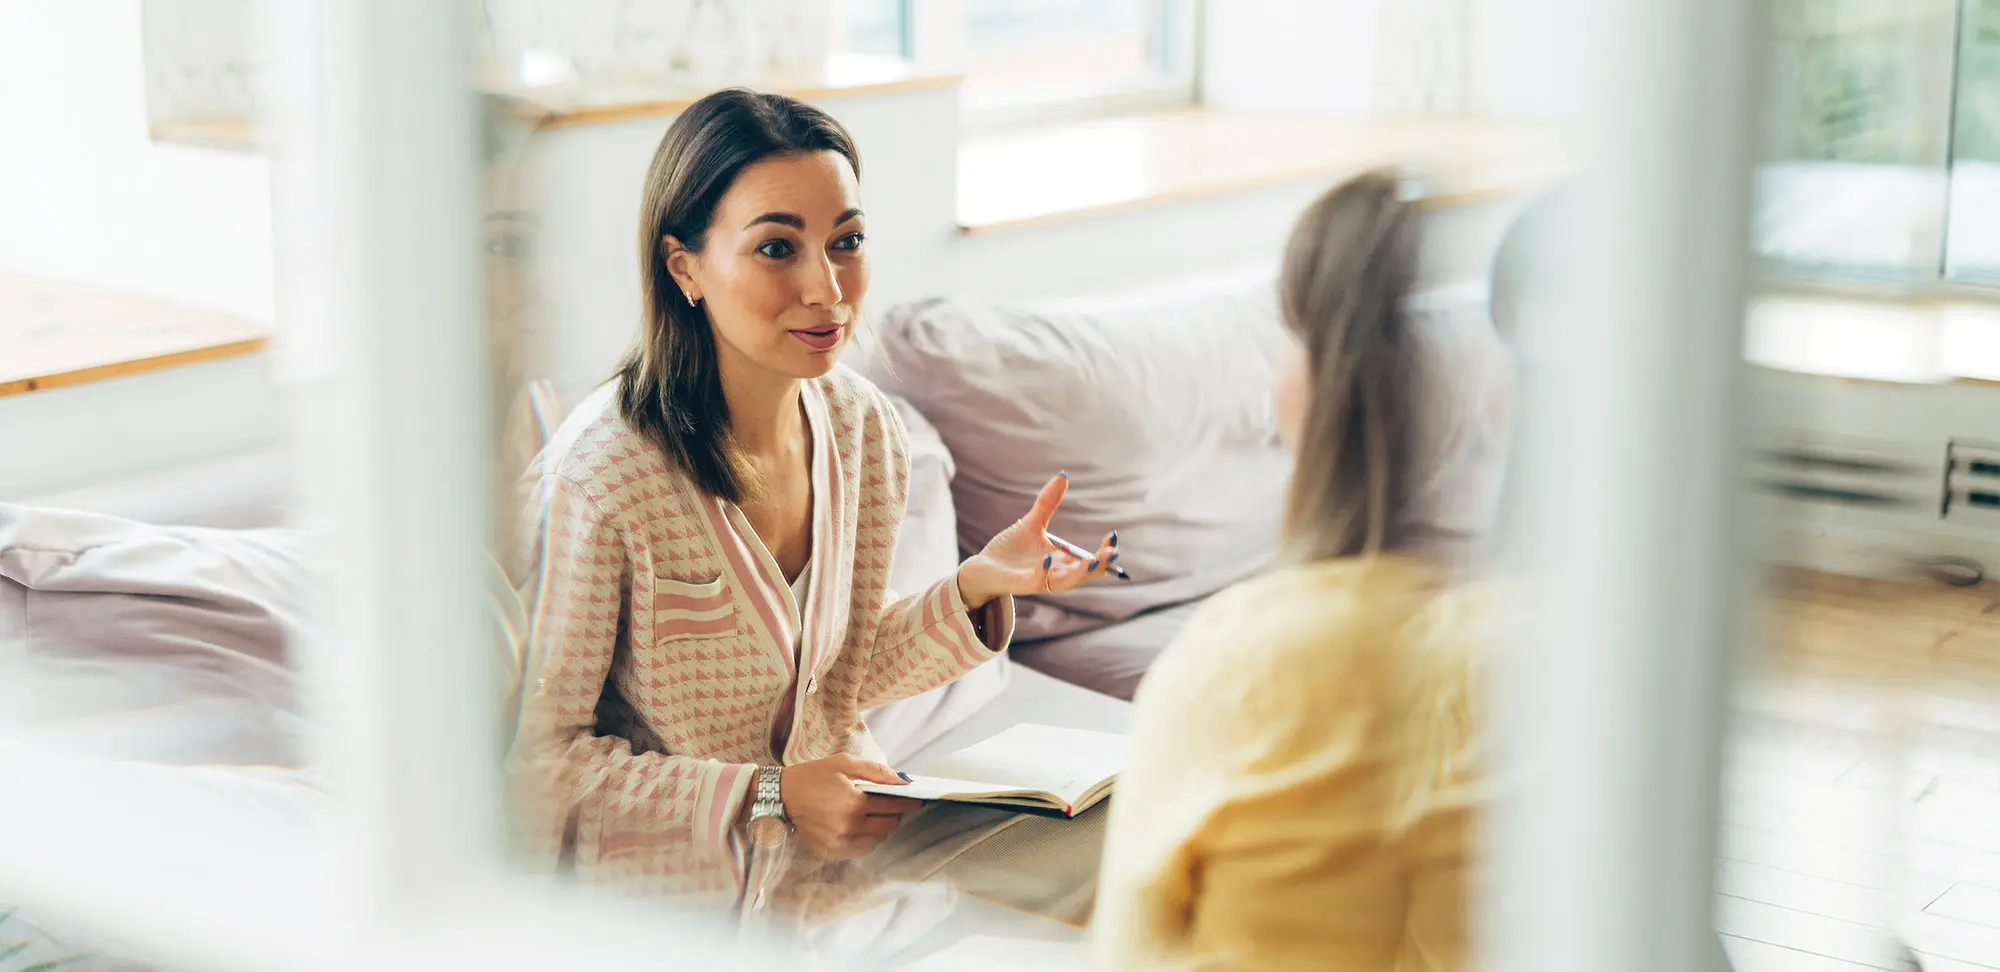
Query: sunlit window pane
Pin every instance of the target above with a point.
(1023, 47)
(876, 27)
(1859, 133)
(1974, 244)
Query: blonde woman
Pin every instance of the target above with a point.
(1302, 790)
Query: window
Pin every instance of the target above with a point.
(1973, 238)
(1881, 159)
(1022, 58)
(877, 27)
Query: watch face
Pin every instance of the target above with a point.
(765, 831)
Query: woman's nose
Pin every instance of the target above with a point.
(821, 287)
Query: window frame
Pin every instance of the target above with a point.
(934, 35)
(1944, 268)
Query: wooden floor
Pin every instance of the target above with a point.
(1863, 792)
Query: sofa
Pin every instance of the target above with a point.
(166, 608)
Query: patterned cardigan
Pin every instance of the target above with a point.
(660, 647)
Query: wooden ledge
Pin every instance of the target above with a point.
(226, 134)
(1030, 177)
(599, 102)
(1922, 341)
(843, 75)
(54, 335)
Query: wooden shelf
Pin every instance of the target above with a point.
(53, 335)
(1035, 176)
(1927, 340)
(599, 102)
(227, 134)
(843, 75)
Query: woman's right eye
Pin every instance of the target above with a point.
(776, 249)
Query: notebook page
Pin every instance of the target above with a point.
(1065, 762)
(938, 787)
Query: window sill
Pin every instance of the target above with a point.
(1035, 176)
(55, 335)
(1889, 341)
(596, 103)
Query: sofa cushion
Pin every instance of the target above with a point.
(177, 644)
(1112, 659)
(1159, 408)
(163, 644)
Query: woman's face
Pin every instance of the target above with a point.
(1291, 394)
(783, 269)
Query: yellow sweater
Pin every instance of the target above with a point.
(1301, 790)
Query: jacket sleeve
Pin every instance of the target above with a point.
(927, 640)
(580, 791)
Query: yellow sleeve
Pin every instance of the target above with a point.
(1250, 828)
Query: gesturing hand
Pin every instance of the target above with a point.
(835, 820)
(1022, 560)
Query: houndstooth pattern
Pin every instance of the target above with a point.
(660, 655)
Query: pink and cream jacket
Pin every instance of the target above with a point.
(660, 655)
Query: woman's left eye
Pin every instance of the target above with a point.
(506, 245)
(776, 249)
(851, 241)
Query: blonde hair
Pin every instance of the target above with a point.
(1348, 268)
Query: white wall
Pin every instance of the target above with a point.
(1908, 423)
(1308, 56)
(89, 198)
(1524, 58)
(85, 196)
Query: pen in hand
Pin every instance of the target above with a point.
(1084, 555)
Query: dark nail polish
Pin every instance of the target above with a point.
(1114, 556)
(1064, 473)
(1093, 565)
(905, 776)
(1048, 561)
(1114, 538)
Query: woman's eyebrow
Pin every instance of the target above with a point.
(782, 219)
(796, 222)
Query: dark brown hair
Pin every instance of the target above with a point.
(668, 386)
(1350, 264)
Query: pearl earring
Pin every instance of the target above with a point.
(690, 298)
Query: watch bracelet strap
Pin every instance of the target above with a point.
(769, 798)
(764, 864)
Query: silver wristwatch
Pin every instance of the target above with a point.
(768, 823)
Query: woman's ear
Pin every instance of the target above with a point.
(680, 265)
(1292, 394)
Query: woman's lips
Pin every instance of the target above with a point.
(822, 339)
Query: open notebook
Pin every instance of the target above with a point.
(1037, 769)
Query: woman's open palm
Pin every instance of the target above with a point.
(1022, 560)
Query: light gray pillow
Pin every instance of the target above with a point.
(176, 644)
(1159, 409)
(162, 644)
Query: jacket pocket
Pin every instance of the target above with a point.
(682, 609)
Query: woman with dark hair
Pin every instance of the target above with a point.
(712, 541)
(1301, 787)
